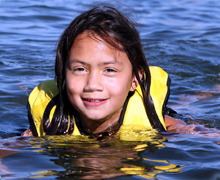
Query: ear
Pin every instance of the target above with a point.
(135, 82)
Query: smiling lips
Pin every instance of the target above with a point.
(93, 102)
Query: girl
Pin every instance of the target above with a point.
(102, 82)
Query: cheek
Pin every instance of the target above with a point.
(72, 92)
(73, 83)
(120, 86)
(71, 86)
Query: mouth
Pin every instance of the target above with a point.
(93, 102)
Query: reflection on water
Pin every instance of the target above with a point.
(84, 157)
(81, 157)
(182, 37)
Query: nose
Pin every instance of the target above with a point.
(94, 82)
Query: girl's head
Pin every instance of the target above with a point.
(105, 24)
(112, 27)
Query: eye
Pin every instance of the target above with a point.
(110, 70)
(79, 69)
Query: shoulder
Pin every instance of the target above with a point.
(45, 90)
(40, 99)
(158, 74)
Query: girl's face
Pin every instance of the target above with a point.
(98, 79)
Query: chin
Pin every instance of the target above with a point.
(95, 118)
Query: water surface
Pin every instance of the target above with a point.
(182, 37)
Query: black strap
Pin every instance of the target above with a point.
(167, 96)
(31, 121)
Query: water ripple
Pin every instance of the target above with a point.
(181, 36)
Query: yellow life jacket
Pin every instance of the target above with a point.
(134, 116)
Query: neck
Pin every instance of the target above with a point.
(100, 126)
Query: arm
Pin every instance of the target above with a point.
(27, 133)
(180, 127)
(177, 126)
(173, 125)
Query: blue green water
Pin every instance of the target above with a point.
(181, 36)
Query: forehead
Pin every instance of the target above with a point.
(88, 39)
(104, 39)
(91, 45)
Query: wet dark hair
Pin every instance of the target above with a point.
(118, 31)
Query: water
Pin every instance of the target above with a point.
(181, 36)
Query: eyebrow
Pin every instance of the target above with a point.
(115, 61)
(76, 61)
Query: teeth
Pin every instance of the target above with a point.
(94, 100)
